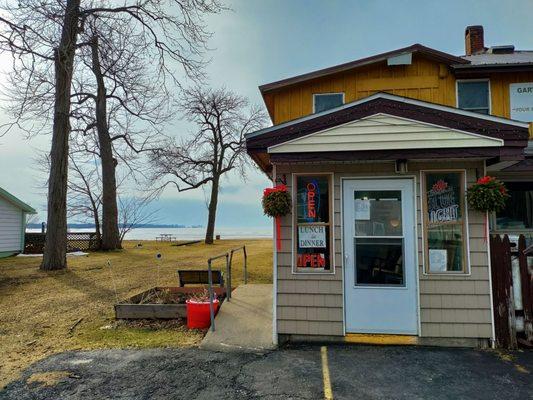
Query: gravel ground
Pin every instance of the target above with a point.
(357, 372)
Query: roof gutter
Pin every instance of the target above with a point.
(468, 70)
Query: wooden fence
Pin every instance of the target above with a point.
(513, 312)
(76, 241)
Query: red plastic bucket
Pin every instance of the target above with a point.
(198, 316)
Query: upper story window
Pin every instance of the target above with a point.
(325, 101)
(474, 95)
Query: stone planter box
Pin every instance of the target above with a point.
(131, 309)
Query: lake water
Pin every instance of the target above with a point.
(190, 233)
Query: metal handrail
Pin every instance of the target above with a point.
(210, 281)
(245, 270)
(229, 259)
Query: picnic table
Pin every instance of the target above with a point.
(165, 237)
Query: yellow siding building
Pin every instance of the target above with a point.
(377, 155)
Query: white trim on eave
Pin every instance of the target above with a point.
(392, 97)
(490, 141)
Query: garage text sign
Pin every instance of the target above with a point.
(521, 99)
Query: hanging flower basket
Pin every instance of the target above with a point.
(488, 194)
(277, 203)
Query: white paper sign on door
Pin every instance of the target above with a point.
(311, 236)
(362, 209)
(438, 260)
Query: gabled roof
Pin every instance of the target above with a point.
(514, 134)
(415, 48)
(17, 202)
(382, 131)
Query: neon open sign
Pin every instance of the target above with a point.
(312, 201)
(311, 204)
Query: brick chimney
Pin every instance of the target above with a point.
(474, 42)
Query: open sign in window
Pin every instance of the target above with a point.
(312, 225)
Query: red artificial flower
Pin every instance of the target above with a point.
(439, 186)
(278, 188)
(485, 180)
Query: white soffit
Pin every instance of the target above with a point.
(385, 132)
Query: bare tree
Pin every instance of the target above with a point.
(134, 211)
(85, 191)
(42, 36)
(222, 118)
(32, 40)
(84, 187)
(125, 89)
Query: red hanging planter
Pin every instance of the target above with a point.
(277, 203)
(487, 195)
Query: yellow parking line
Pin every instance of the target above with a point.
(328, 393)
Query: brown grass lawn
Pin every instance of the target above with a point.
(37, 309)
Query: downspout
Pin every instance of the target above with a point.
(487, 235)
(274, 274)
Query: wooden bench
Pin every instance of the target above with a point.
(199, 276)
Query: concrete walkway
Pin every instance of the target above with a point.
(244, 323)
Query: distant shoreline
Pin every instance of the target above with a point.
(92, 226)
(183, 233)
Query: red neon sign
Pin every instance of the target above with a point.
(311, 204)
(311, 260)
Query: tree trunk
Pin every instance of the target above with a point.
(55, 247)
(212, 211)
(110, 232)
(97, 228)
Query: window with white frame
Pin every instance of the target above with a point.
(473, 95)
(444, 221)
(313, 224)
(326, 101)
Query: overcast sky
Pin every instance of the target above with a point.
(265, 40)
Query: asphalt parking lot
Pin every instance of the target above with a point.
(296, 372)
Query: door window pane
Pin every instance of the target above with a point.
(378, 213)
(379, 261)
(327, 101)
(473, 96)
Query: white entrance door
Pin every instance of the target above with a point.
(379, 256)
